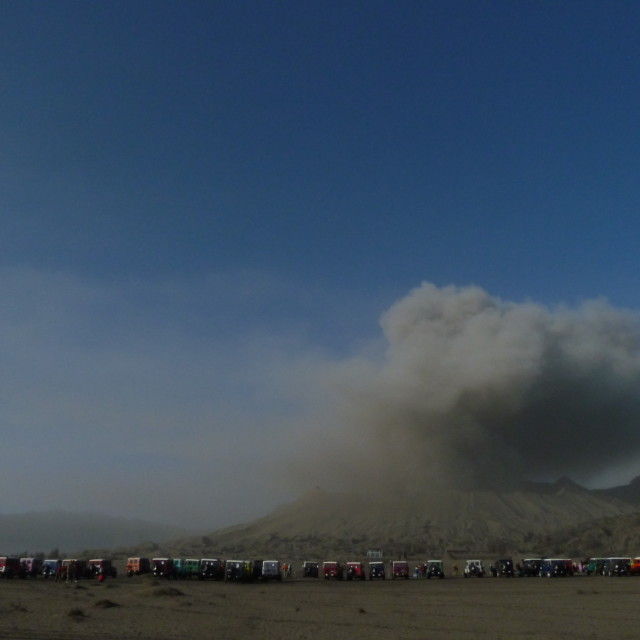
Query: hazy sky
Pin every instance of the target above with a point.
(207, 208)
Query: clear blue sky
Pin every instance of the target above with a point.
(196, 195)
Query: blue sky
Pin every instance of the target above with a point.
(202, 201)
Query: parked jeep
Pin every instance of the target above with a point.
(530, 567)
(138, 566)
(399, 569)
(618, 567)
(99, 566)
(556, 567)
(211, 569)
(634, 567)
(237, 571)
(473, 568)
(332, 570)
(74, 569)
(595, 566)
(376, 571)
(179, 568)
(434, 569)
(50, 568)
(310, 569)
(163, 567)
(271, 570)
(30, 567)
(9, 566)
(355, 571)
(191, 568)
(503, 568)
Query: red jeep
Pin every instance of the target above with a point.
(9, 567)
(163, 567)
(399, 569)
(332, 569)
(355, 571)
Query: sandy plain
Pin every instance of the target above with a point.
(144, 607)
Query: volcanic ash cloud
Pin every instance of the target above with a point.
(477, 392)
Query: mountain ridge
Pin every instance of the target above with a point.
(536, 515)
(320, 523)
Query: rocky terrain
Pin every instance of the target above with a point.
(560, 518)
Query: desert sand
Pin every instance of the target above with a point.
(145, 607)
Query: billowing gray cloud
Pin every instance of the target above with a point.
(474, 391)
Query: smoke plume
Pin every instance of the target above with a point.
(478, 392)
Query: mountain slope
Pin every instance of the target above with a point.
(628, 492)
(605, 537)
(321, 524)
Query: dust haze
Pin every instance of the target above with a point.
(230, 394)
(477, 392)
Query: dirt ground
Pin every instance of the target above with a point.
(143, 607)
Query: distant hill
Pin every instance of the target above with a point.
(70, 532)
(628, 492)
(560, 518)
(605, 537)
(322, 524)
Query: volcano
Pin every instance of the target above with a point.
(425, 522)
